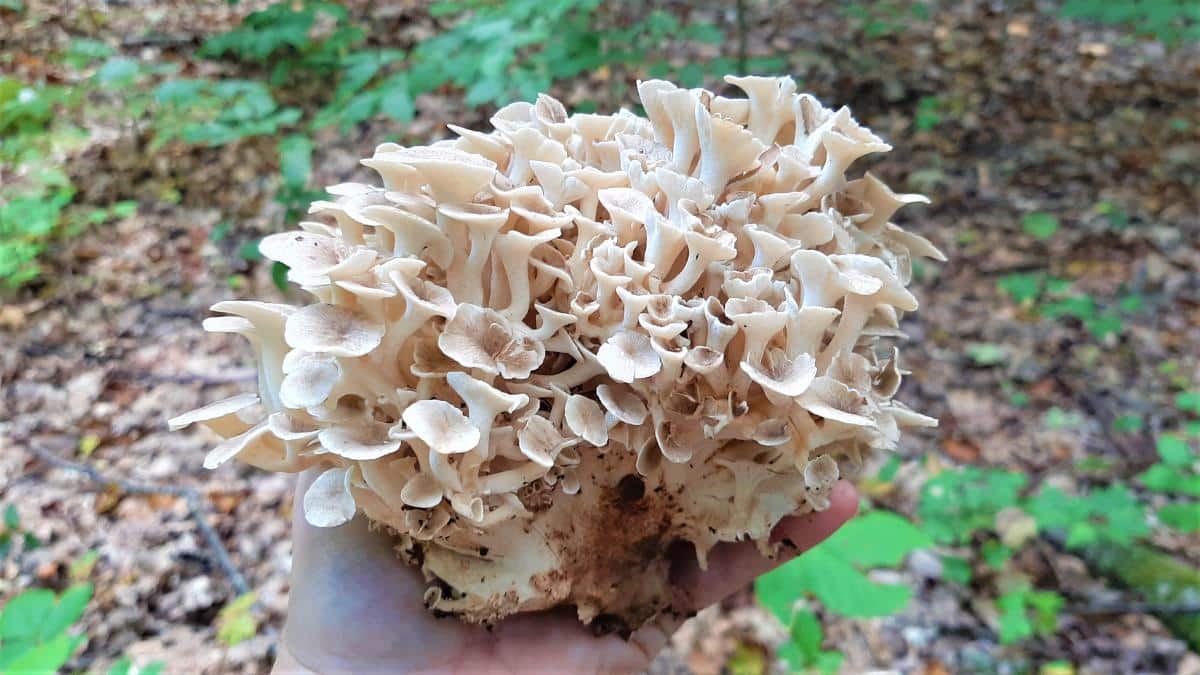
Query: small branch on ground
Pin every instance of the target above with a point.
(196, 502)
(1133, 607)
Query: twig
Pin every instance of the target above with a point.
(1134, 607)
(195, 502)
(231, 377)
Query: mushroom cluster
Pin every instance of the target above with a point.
(541, 356)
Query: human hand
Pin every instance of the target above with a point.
(355, 607)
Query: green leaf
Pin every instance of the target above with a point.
(122, 666)
(1188, 401)
(1040, 225)
(1162, 478)
(1082, 534)
(1014, 624)
(828, 576)
(118, 71)
(249, 252)
(279, 275)
(12, 517)
(1081, 307)
(295, 160)
(956, 569)
(995, 554)
(1174, 451)
(1058, 419)
(1022, 288)
(807, 635)
(1182, 517)
(66, 611)
(22, 617)
(746, 659)
(236, 622)
(957, 503)
(1045, 605)
(397, 100)
(1127, 423)
(47, 657)
(987, 354)
(1104, 325)
(878, 539)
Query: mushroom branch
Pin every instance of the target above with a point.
(543, 354)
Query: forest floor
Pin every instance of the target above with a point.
(1018, 113)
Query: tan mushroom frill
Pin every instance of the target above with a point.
(540, 356)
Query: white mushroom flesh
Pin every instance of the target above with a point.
(542, 355)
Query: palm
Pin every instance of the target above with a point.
(355, 607)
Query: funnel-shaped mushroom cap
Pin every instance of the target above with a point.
(329, 329)
(213, 411)
(481, 338)
(328, 502)
(540, 441)
(782, 378)
(586, 419)
(629, 356)
(622, 403)
(453, 176)
(441, 426)
(362, 442)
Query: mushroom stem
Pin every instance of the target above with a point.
(482, 223)
(702, 250)
(513, 250)
(484, 402)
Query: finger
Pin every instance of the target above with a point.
(733, 565)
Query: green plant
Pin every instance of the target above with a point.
(834, 572)
(955, 504)
(888, 17)
(1025, 612)
(1111, 515)
(1039, 225)
(291, 36)
(929, 113)
(34, 629)
(1176, 471)
(11, 532)
(1171, 21)
(236, 622)
(207, 112)
(126, 666)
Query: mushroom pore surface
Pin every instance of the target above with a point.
(541, 356)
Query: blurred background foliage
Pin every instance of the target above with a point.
(293, 76)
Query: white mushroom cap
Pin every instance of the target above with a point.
(629, 356)
(481, 338)
(363, 442)
(441, 426)
(782, 378)
(308, 378)
(540, 441)
(585, 418)
(421, 492)
(328, 501)
(213, 411)
(329, 329)
(622, 403)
